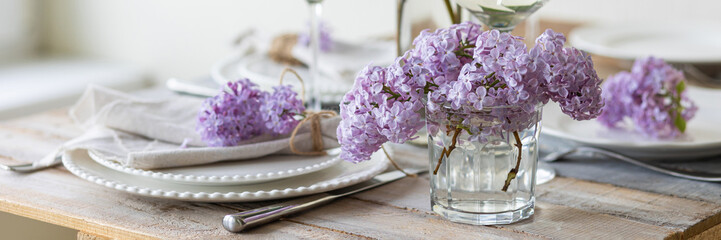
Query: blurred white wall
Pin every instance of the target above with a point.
(635, 11)
(184, 37)
(19, 29)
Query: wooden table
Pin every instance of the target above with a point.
(592, 199)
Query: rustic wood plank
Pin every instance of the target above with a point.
(651, 208)
(386, 222)
(570, 223)
(713, 233)
(88, 236)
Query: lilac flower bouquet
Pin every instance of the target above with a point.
(652, 95)
(482, 94)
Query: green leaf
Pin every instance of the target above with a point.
(680, 87)
(680, 122)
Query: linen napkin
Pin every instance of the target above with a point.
(148, 134)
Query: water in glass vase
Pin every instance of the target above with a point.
(469, 184)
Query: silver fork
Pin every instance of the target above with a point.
(682, 173)
(28, 168)
(701, 78)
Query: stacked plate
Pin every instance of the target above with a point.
(233, 181)
(693, 43)
(687, 45)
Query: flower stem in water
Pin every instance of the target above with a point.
(512, 174)
(447, 152)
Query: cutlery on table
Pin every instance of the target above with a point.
(682, 173)
(28, 168)
(700, 77)
(241, 221)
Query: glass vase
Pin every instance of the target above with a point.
(482, 180)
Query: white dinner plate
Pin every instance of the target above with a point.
(338, 68)
(265, 72)
(249, 171)
(702, 138)
(679, 44)
(339, 175)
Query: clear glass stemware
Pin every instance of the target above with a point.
(316, 11)
(503, 15)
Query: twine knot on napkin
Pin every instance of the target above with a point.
(316, 133)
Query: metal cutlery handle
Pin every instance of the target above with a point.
(252, 218)
(255, 217)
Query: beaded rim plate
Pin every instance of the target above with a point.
(249, 171)
(702, 138)
(339, 175)
(678, 44)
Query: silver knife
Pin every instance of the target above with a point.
(255, 217)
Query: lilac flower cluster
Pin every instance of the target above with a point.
(243, 111)
(280, 108)
(377, 110)
(652, 95)
(464, 70)
(325, 42)
(572, 83)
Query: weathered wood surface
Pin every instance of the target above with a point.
(577, 205)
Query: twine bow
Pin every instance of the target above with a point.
(316, 133)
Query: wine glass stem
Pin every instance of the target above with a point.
(315, 15)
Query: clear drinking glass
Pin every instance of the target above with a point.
(468, 184)
(504, 15)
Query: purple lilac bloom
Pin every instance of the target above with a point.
(458, 73)
(232, 116)
(383, 106)
(279, 110)
(653, 95)
(442, 54)
(326, 40)
(617, 94)
(358, 132)
(572, 81)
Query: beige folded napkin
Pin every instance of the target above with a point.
(147, 134)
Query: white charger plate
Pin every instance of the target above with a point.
(339, 175)
(249, 171)
(679, 44)
(703, 132)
